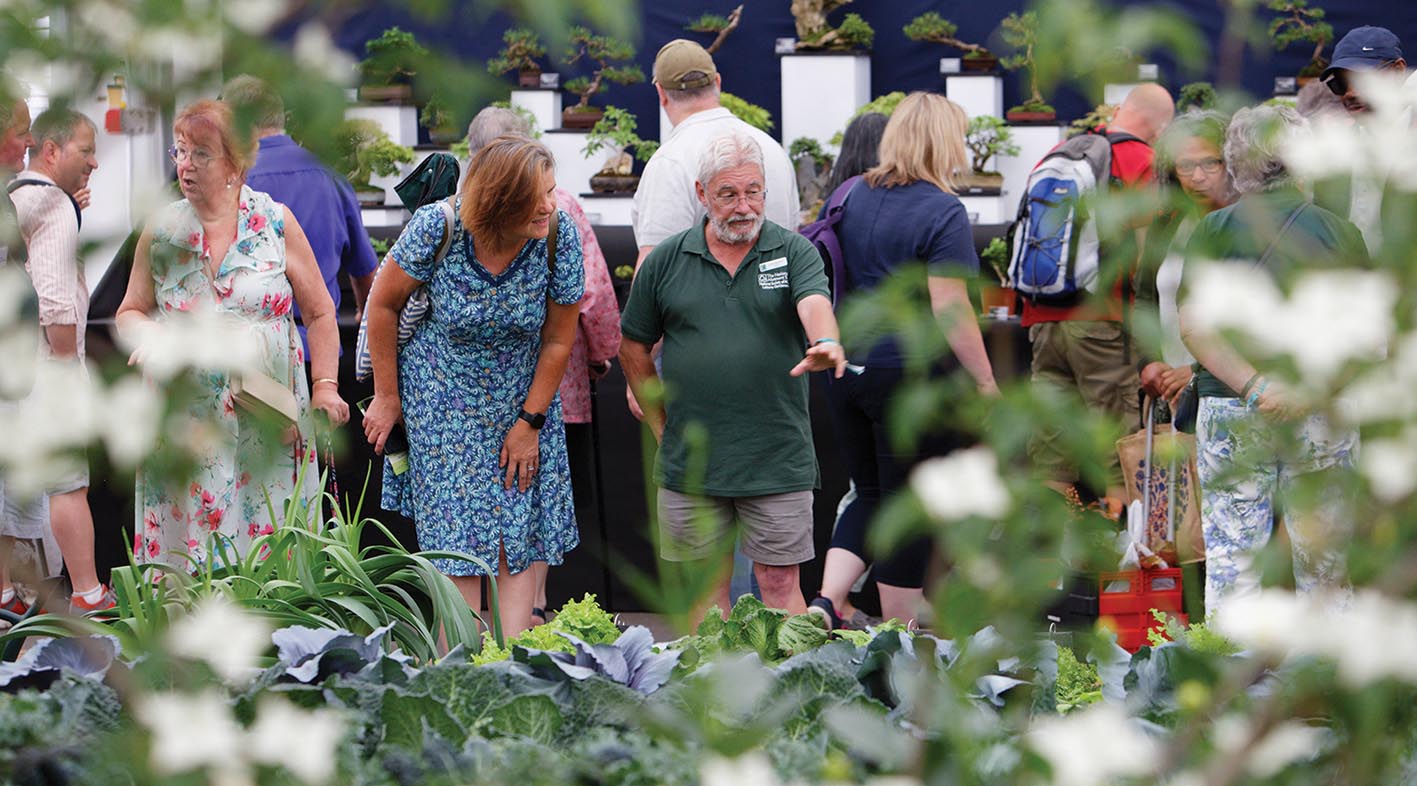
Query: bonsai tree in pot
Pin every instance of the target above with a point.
(1196, 95)
(994, 293)
(365, 151)
(520, 50)
(615, 132)
(814, 166)
(722, 26)
(387, 72)
(438, 119)
(748, 112)
(611, 59)
(1021, 32)
(814, 32)
(932, 27)
(1299, 23)
(988, 137)
(1100, 115)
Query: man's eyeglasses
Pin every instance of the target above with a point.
(730, 198)
(201, 159)
(1209, 166)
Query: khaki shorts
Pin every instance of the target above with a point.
(776, 528)
(1090, 359)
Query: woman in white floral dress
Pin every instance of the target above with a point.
(228, 249)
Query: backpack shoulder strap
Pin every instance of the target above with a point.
(837, 200)
(551, 238)
(18, 184)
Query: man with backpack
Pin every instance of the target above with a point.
(1074, 284)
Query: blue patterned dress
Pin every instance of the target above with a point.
(463, 378)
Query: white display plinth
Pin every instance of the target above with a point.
(573, 169)
(987, 209)
(398, 121)
(375, 217)
(543, 103)
(1114, 95)
(1033, 142)
(977, 94)
(608, 209)
(820, 92)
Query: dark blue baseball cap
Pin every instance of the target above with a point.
(1364, 49)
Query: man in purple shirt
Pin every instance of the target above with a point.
(322, 202)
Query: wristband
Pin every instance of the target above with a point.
(825, 340)
(1255, 396)
(334, 382)
(1245, 391)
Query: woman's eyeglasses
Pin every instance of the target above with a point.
(201, 159)
(1209, 166)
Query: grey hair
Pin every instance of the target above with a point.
(57, 124)
(726, 151)
(254, 101)
(492, 122)
(692, 94)
(1254, 143)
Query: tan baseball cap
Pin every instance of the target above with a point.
(680, 58)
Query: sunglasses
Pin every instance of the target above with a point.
(1337, 82)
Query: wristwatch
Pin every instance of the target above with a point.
(535, 421)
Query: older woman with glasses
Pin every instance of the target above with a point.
(232, 250)
(1189, 156)
(1254, 436)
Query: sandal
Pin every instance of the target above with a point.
(537, 611)
(822, 607)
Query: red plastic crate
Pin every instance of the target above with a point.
(1125, 600)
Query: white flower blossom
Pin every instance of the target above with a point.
(1317, 325)
(315, 50)
(255, 17)
(227, 638)
(1369, 637)
(131, 420)
(191, 731)
(1390, 465)
(302, 741)
(752, 769)
(964, 483)
(1094, 747)
(201, 338)
(1285, 744)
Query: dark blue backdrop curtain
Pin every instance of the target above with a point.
(750, 69)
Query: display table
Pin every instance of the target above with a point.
(821, 91)
(544, 104)
(980, 94)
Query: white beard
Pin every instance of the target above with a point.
(737, 237)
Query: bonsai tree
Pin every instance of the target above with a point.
(365, 151)
(1020, 31)
(609, 56)
(713, 23)
(616, 132)
(1100, 115)
(807, 147)
(884, 104)
(749, 113)
(520, 49)
(813, 31)
(393, 58)
(438, 119)
(988, 137)
(932, 27)
(1196, 95)
(996, 256)
(1300, 23)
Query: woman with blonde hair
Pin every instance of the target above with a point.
(902, 212)
(227, 248)
(476, 384)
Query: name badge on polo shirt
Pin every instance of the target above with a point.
(772, 274)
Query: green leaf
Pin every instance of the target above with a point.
(534, 717)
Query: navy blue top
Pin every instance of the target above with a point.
(325, 206)
(883, 229)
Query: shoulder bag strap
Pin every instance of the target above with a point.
(449, 218)
(17, 184)
(1274, 244)
(551, 238)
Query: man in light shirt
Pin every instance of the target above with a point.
(46, 200)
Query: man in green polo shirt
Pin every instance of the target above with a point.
(742, 307)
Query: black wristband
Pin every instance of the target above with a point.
(536, 421)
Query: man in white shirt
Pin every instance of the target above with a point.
(688, 84)
(46, 200)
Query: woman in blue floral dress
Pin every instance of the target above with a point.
(235, 252)
(476, 384)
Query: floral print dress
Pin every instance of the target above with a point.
(463, 378)
(239, 465)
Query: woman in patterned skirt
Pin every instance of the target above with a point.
(476, 384)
